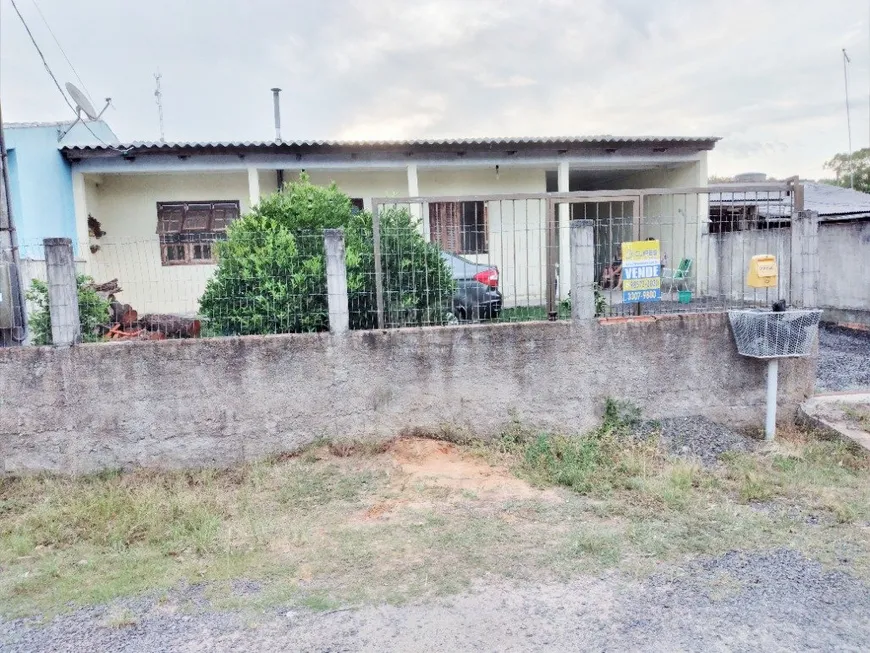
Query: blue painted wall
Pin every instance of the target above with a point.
(41, 180)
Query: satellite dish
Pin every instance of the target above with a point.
(82, 102)
(83, 105)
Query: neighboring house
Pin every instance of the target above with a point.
(744, 223)
(40, 179)
(159, 203)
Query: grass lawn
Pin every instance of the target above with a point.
(345, 525)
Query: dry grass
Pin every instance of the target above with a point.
(859, 414)
(351, 524)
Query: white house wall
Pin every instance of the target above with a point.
(675, 219)
(126, 206)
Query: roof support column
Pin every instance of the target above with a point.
(564, 271)
(416, 210)
(253, 186)
(80, 209)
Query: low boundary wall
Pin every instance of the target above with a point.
(217, 402)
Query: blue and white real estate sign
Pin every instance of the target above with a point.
(641, 271)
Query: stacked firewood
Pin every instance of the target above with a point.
(125, 323)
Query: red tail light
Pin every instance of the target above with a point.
(489, 277)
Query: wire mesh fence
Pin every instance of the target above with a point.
(426, 262)
(519, 246)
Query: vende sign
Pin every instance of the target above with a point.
(641, 271)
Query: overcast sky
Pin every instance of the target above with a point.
(766, 75)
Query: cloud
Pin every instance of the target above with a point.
(765, 75)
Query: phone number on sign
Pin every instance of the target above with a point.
(641, 295)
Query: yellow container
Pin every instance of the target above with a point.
(762, 271)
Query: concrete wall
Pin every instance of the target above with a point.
(844, 259)
(729, 255)
(223, 401)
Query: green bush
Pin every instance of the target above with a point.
(93, 311)
(271, 275)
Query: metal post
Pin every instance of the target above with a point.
(276, 105)
(770, 416)
(336, 281)
(63, 298)
(552, 261)
(9, 252)
(379, 272)
(847, 60)
(582, 270)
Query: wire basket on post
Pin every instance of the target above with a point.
(770, 334)
(774, 335)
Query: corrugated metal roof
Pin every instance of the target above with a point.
(30, 125)
(705, 142)
(828, 201)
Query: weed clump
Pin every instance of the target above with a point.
(605, 459)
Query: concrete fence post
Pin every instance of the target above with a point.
(805, 270)
(582, 270)
(63, 296)
(336, 280)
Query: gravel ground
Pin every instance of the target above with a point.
(695, 437)
(773, 601)
(844, 359)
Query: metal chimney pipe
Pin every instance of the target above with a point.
(277, 103)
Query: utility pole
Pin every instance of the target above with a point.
(9, 253)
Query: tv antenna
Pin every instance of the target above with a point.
(159, 95)
(83, 106)
(846, 62)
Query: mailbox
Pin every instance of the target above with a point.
(762, 271)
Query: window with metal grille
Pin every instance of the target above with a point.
(188, 230)
(459, 227)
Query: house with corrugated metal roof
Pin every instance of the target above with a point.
(146, 197)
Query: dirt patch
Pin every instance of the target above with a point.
(427, 466)
(445, 465)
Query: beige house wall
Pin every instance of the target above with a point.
(126, 206)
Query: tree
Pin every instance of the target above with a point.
(845, 166)
(271, 274)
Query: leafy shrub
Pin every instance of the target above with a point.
(271, 275)
(93, 311)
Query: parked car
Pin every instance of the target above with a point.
(477, 296)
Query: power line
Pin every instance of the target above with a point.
(62, 51)
(42, 56)
(54, 79)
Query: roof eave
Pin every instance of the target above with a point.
(508, 146)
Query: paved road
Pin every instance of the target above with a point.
(776, 601)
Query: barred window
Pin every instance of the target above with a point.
(188, 230)
(459, 227)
